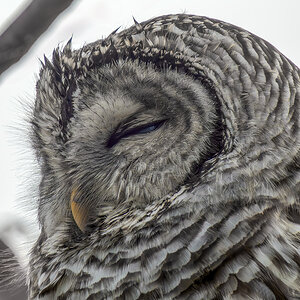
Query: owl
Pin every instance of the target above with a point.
(169, 157)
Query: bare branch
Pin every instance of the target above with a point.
(26, 29)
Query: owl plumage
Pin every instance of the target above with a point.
(169, 158)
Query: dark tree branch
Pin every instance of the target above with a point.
(26, 29)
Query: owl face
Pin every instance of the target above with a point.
(136, 135)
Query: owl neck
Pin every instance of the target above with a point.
(190, 240)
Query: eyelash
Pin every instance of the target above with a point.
(142, 129)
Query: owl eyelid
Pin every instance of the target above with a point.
(140, 129)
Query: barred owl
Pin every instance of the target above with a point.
(169, 157)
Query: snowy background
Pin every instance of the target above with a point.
(276, 21)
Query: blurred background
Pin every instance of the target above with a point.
(274, 20)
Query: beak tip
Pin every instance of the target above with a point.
(79, 212)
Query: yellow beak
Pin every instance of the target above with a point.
(79, 211)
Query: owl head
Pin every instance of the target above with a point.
(123, 123)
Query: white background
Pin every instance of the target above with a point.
(275, 20)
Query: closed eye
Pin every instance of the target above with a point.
(141, 129)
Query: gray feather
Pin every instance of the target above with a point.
(181, 137)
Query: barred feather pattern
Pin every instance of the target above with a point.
(229, 227)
